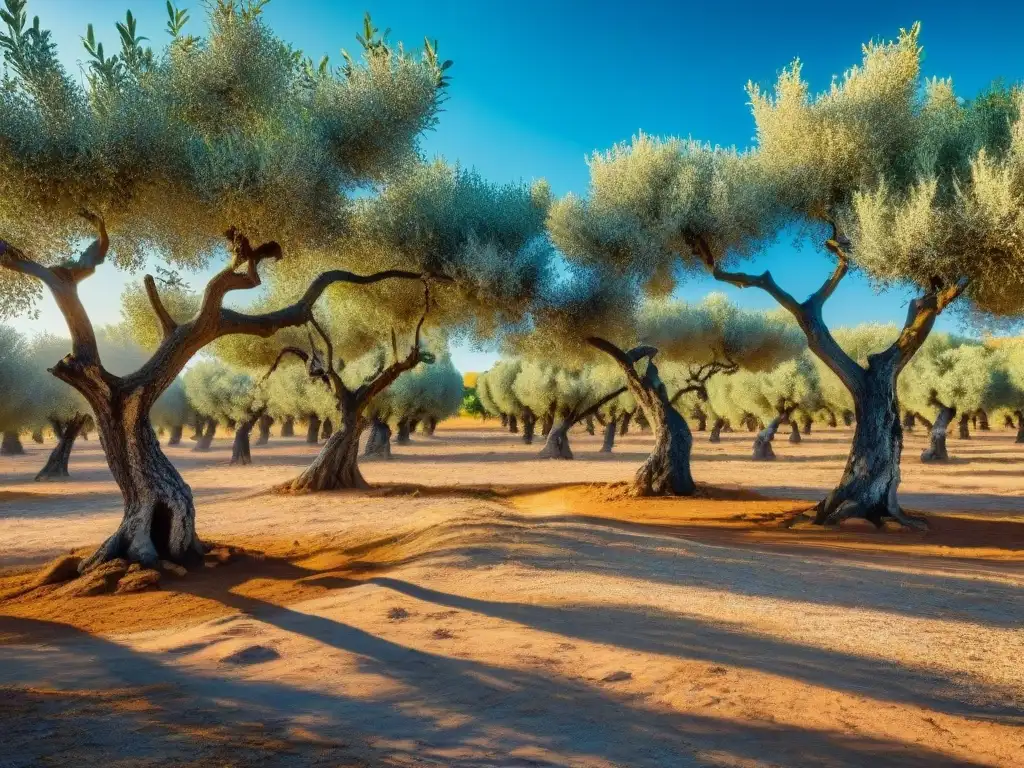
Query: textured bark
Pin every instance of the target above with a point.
(1020, 426)
(762, 450)
(609, 436)
(264, 429)
(529, 426)
(288, 427)
(327, 429)
(379, 442)
(37, 436)
(624, 424)
(716, 431)
(336, 467)
(206, 438)
(404, 431)
(56, 466)
(794, 432)
(936, 451)
(806, 424)
(10, 445)
(513, 424)
(557, 444)
(589, 421)
(313, 429)
(240, 451)
(159, 514)
(175, 437)
(964, 424)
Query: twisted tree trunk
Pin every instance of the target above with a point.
(240, 452)
(702, 419)
(529, 426)
(337, 465)
(327, 429)
(404, 430)
(313, 429)
(379, 442)
(794, 432)
(716, 431)
(205, 439)
(288, 427)
(56, 466)
(264, 429)
(175, 437)
(609, 435)
(936, 451)
(557, 444)
(10, 445)
(965, 432)
(763, 442)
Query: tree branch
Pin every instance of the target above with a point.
(166, 321)
(301, 354)
(921, 316)
(579, 416)
(92, 256)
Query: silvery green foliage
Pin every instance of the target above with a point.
(52, 398)
(221, 392)
(541, 386)
(500, 387)
(172, 408)
(536, 386)
(120, 352)
(1011, 387)
(427, 391)
(765, 394)
(230, 129)
(138, 317)
(922, 375)
(483, 393)
(290, 392)
(967, 376)
(19, 381)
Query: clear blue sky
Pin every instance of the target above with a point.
(538, 85)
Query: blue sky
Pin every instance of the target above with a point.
(538, 85)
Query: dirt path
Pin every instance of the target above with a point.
(568, 627)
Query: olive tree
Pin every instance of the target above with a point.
(227, 143)
(18, 382)
(426, 395)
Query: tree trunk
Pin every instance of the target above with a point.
(624, 424)
(716, 431)
(37, 436)
(547, 423)
(264, 429)
(589, 421)
(175, 436)
(965, 431)
(848, 417)
(832, 419)
(11, 445)
(513, 424)
(1008, 422)
(750, 423)
(336, 467)
(557, 445)
(702, 419)
(240, 453)
(159, 514)
(404, 429)
(198, 423)
(327, 429)
(504, 420)
(529, 426)
(763, 442)
(936, 451)
(1020, 427)
(430, 425)
(983, 420)
(908, 421)
(794, 432)
(807, 422)
(313, 429)
(288, 427)
(379, 442)
(206, 438)
(56, 466)
(609, 436)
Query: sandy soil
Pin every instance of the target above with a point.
(498, 615)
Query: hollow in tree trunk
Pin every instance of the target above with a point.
(666, 471)
(313, 429)
(56, 466)
(288, 427)
(175, 437)
(11, 445)
(404, 430)
(609, 435)
(264, 429)
(936, 451)
(379, 442)
(557, 444)
(716, 431)
(327, 429)
(964, 425)
(206, 438)
(513, 424)
(529, 426)
(794, 432)
(806, 423)
(240, 453)
(627, 417)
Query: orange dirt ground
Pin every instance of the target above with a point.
(484, 608)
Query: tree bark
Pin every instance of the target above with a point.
(624, 424)
(965, 431)
(716, 431)
(794, 432)
(288, 427)
(936, 451)
(206, 438)
(198, 422)
(175, 437)
(513, 424)
(909, 421)
(336, 467)
(983, 420)
(159, 514)
(504, 420)
(547, 423)
(404, 430)
(848, 417)
(557, 444)
(832, 418)
(763, 442)
(240, 452)
(529, 426)
(327, 429)
(56, 466)
(702, 419)
(430, 426)
(589, 421)
(1020, 427)
(750, 423)
(609, 436)
(807, 422)
(313, 429)
(379, 442)
(264, 429)
(10, 445)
